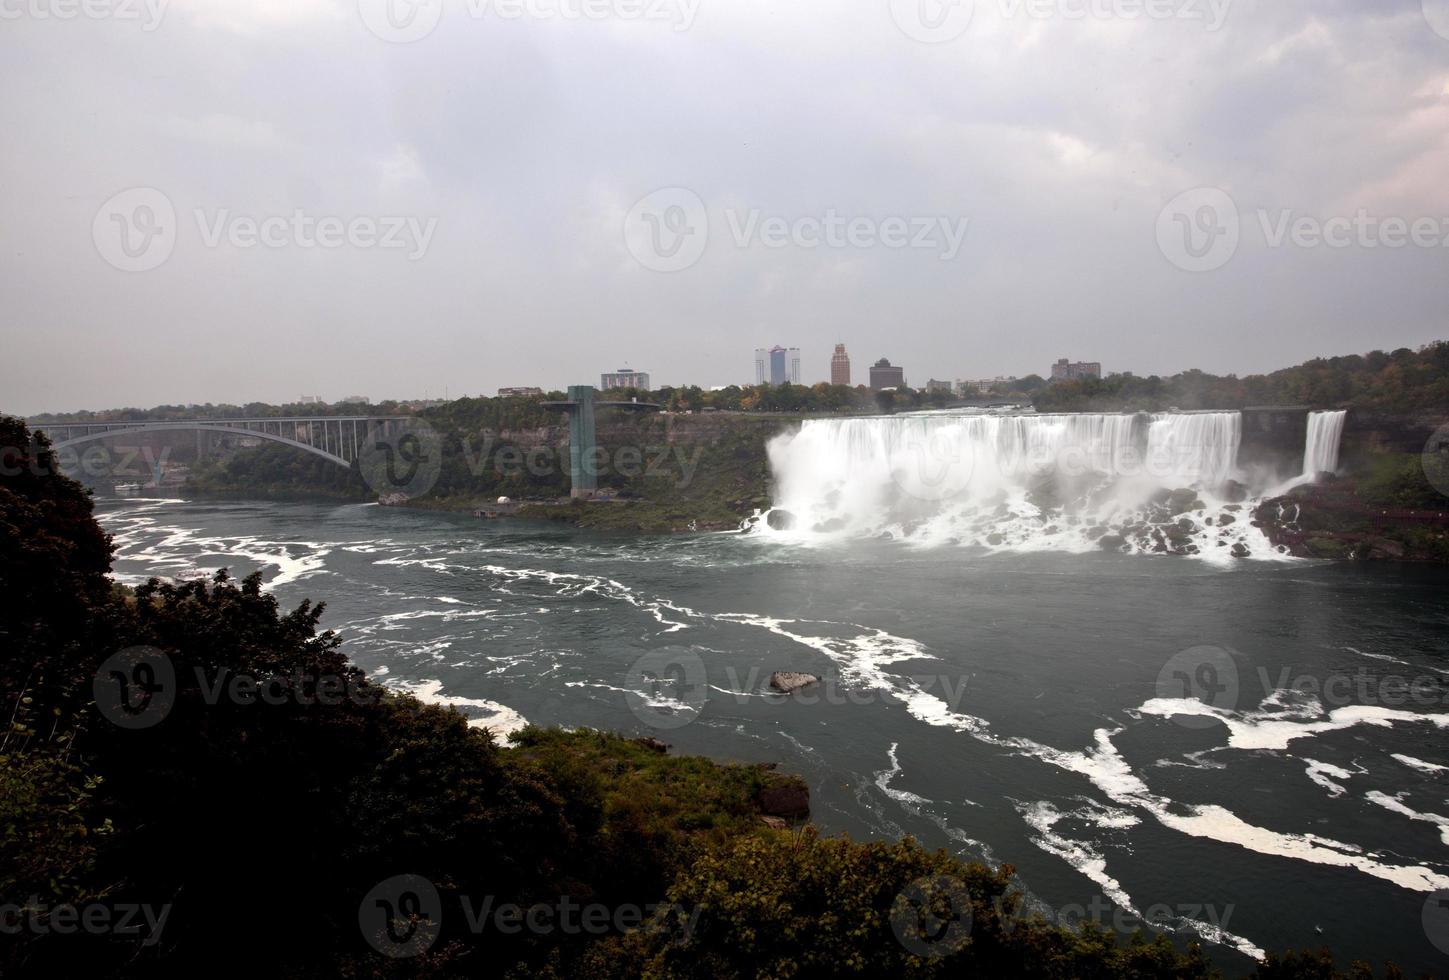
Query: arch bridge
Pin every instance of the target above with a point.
(339, 439)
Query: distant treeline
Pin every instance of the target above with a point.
(1401, 381)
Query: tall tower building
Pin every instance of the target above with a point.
(840, 366)
(777, 365)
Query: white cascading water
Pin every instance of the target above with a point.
(1162, 483)
(1320, 451)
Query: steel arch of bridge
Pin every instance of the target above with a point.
(336, 438)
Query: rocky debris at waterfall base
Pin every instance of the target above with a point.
(780, 520)
(1337, 519)
(790, 681)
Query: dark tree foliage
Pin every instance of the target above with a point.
(1404, 381)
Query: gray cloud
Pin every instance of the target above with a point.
(530, 139)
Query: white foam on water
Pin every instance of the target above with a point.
(1320, 772)
(1043, 818)
(500, 719)
(182, 549)
(921, 807)
(1396, 804)
(1393, 660)
(1276, 730)
(1092, 863)
(1429, 767)
(572, 584)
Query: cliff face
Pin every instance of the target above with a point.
(1369, 433)
(703, 472)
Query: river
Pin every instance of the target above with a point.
(1251, 751)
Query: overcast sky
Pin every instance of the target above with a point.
(530, 192)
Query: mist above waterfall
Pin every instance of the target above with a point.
(1150, 483)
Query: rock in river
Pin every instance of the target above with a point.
(789, 681)
(780, 520)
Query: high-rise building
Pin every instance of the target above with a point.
(777, 365)
(840, 366)
(885, 375)
(1064, 370)
(624, 378)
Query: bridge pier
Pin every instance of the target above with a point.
(584, 437)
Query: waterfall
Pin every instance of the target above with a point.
(1320, 450)
(1146, 482)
